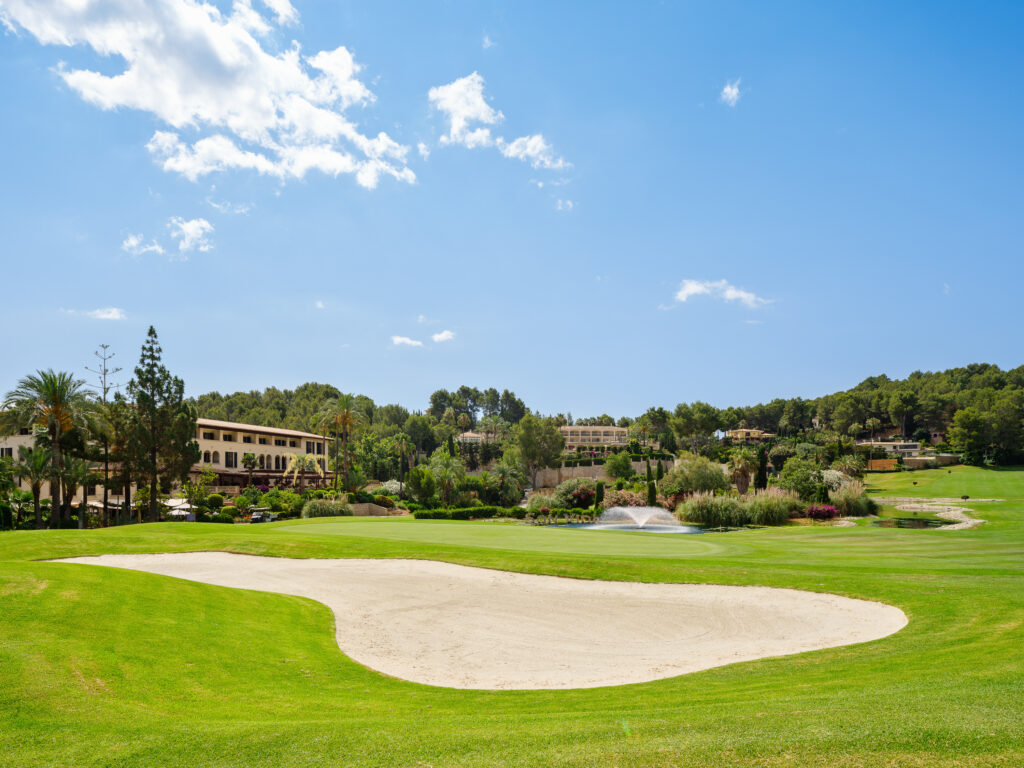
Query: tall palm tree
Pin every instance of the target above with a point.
(464, 421)
(34, 466)
(341, 416)
(298, 465)
(402, 445)
(872, 425)
(249, 461)
(742, 463)
(54, 403)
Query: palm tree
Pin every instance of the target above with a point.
(507, 472)
(250, 462)
(402, 444)
(448, 472)
(299, 465)
(34, 465)
(54, 403)
(742, 463)
(341, 416)
(77, 474)
(464, 421)
(872, 425)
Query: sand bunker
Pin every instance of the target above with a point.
(461, 627)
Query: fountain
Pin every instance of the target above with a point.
(647, 519)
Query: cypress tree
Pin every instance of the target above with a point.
(451, 446)
(650, 475)
(652, 494)
(660, 473)
(761, 478)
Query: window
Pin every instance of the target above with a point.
(277, 462)
(216, 457)
(246, 438)
(209, 435)
(230, 459)
(319, 448)
(263, 461)
(206, 457)
(228, 438)
(90, 490)
(280, 442)
(7, 453)
(293, 443)
(309, 446)
(263, 441)
(23, 431)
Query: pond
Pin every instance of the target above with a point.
(908, 522)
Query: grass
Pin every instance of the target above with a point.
(103, 667)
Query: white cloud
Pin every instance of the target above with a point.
(232, 104)
(223, 206)
(487, 42)
(564, 205)
(720, 289)
(731, 93)
(421, 319)
(463, 104)
(319, 304)
(443, 336)
(423, 149)
(134, 245)
(400, 341)
(191, 234)
(104, 313)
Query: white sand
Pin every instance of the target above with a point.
(461, 627)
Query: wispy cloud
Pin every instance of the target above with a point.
(405, 341)
(319, 304)
(222, 206)
(731, 93)
(191, 234)
(719, 289)
(443, 336)
(565, 205)
(134, 245)
(487, 42)
(104, 313)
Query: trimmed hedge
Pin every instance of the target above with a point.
(470, 513)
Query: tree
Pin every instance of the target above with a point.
(539, 443)
(448, 472)
(741, 464)
(164, 424)
(970, 434)
(54, 404)
(250, 462)
(801, 475)
(34, 466)
(901, 408)
(421, 484)
(103, 373)
(77, 473)
(652, 494)
(341, 416)
(195, 491)
(298, 465)
(619, 466)
(402, 445)
(421, 432)
(761, 478)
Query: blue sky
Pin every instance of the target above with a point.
(602, 206)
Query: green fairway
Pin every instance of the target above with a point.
(105, 667)
(951, 482)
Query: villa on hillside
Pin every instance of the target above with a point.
(592, 436)
(904, 448)
(749, 435)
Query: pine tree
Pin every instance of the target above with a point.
(164, 425)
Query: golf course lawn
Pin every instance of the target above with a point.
(107, 667)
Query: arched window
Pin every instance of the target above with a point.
(263, 461)
(277, 462)
(206, 457)
(216, 457)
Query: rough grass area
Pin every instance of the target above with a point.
(105, 667)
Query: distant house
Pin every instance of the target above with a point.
(471, 437)
(749, 435)
(587, 436)
(904, 448)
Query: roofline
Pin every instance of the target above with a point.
(236, 426)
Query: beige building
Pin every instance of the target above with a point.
(905, 448)
(594, 436)
(749, 435)
(222, 445)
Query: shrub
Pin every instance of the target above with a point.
(215, 501)
(821, 512)
(772, 506)
(576, 493)
(618, 466)
(851, 500)
(694, 474)
(221, 517)
(384, 501)
(391, 487)
(833, 478)
(779, 454)
(538, 500)
(325, 508)
(801, 476)
(713, 511)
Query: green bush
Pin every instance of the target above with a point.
(221, 517)
(215, 501)
(851, 500)
(469, 513)
(772, 506)
(575, 493)
(384, 501)
(801, 475)
(538, 500)
(325, 508)
(618, 466)
(695, 474)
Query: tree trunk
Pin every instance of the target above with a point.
(104, 521)
(55, 500)
(154, 515)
